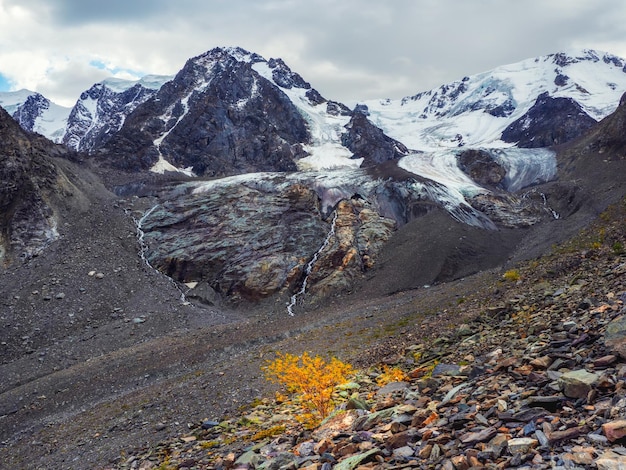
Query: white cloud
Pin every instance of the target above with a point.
(349, 50)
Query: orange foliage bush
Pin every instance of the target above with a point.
(391, 374)
(312, 378)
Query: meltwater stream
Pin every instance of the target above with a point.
(142, 249)
(311, 264)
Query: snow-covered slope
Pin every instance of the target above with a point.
(474, 111)
(36, 113)
(102, 110)
(325, 150)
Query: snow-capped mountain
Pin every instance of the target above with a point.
(36, 113)
(101, 111)
(295, 175)
(230, 111)
(475, 111)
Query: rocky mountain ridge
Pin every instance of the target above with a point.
(31, 184)
(474, 111)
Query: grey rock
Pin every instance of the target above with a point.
(578, 383)
(615, 336)
(392, 387)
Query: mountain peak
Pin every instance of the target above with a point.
(152, 82)
(223, 53)
(574, 56)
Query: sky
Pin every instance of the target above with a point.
(349, 50)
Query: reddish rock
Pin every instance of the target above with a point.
(398, 440)
(542, 362)
(614, 430)
(565, 435)
(604, 361)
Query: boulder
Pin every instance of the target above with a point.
(578, 383)
(615, 336)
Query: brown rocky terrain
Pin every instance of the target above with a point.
(527, 371)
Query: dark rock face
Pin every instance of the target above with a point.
(30, 110)
(219, 117)
(367, 141)
(250, 241)
(482, 168)
(550, 121)
(87, 130)
(284, 77)
(245, 242)
(337, 109)
(27, 221)
(608, 137)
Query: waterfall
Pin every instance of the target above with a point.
(141, 234)
(143, 248)
(310, 265)
(554, 213)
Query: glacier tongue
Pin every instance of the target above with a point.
(525, 167)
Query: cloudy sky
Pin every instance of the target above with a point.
(347, 49)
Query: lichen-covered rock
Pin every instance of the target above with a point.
(578, 383)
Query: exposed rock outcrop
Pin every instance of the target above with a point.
(250, 241)
(550, 121)
(482, 168)
(27, 221)
(367, 141)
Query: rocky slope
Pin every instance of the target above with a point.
(31, 186)
(529, 373)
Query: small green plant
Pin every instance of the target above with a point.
(312, 378)
(618, 248)
(512, 275)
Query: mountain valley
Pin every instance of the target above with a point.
(183, 228)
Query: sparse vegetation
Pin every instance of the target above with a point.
(512, 275)
(391, 374)
(271, 432)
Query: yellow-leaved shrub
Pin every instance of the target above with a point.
(313, 378)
